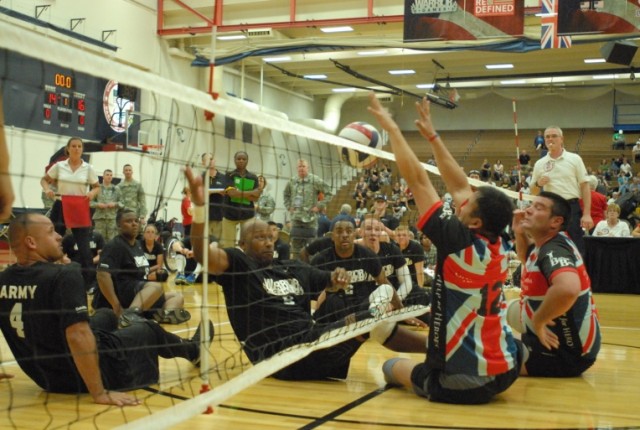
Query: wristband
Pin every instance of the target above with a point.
(433, 137)
(198, 214)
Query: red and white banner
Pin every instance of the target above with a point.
(462, 19)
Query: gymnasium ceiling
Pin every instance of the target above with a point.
(267, 26)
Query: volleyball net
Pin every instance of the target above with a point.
(53, 90)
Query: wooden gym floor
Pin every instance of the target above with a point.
(605, 397)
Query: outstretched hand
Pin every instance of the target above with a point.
(424, 124)
(196, 186)
(380, 113)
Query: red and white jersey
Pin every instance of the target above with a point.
(468, 333)
(578, 329)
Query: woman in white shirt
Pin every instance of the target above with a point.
(73, 177)
(612, 226)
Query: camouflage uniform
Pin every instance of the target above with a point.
(301, 195)
(132, 197)
(105, 219)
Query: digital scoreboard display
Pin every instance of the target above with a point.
(52, 99)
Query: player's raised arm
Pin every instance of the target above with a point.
(412, 171)
(451, 172)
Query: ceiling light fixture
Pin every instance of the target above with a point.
(344, 90)
(499, 66)
(605, 77)
(594, 60)
(426, 86)
(513, 82)
(232, 37)
(402, 72)
(276, 59)
(341, 29)
(378, 52)
(315, 76)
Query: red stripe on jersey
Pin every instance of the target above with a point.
(425, 217)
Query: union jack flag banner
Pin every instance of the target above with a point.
(549, 37)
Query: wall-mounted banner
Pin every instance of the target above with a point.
(462, 19)
(597, 17)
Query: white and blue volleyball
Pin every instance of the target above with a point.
(364, 134)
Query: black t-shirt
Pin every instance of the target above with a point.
(413, 254)
(363, 267)
(216, 200)
(37, 304)
(391, 260)
(239, 208)
(124, 261)
(70, 247)
(152, 254)
(269, 307)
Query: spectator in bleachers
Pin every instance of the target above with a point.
(324, 223)
(636, 151)
(603, 169)
(485, 170)
(374, 182)
(623, 183)
(539, 144)
(380, 211)
(361, 187)
(618, 141)
(343, 215)
(612, 226)
(524, 158)
(598, 202)
(396, 190)
(385, 174)
(498, 170)
(625, 167)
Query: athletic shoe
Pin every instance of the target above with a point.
(172, 316)
(130, 316)
(196, 338)
(181, 279)
(191, 279)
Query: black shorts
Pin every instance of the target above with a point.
(126, 291)
(438, 386)
(332, 362)
(557, 363)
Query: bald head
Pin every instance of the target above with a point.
(33, 238)
(256, 241)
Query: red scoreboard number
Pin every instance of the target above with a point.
(61, 102)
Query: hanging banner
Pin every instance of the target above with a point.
(549, 38)
(462, 19)
(598, 17)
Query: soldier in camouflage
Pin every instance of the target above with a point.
(301, 200)
(106, 205)
(132, 194)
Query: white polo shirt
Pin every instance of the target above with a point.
(72, 183)
(565, 173)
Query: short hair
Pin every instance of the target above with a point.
(345, 209)
(126, 165)
(18, 227)
(123, 212)
(240, 152)
(560, 207)
(614, 207)
(107, 170)
(494, 208)
(555, 127)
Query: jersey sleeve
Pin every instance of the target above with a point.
(556, 257)
(446, 232)
(109, 257)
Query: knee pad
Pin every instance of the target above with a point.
(383, 331)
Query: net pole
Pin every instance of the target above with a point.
(517, 142)
(204, 306)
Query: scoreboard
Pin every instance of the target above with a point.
(45, 97)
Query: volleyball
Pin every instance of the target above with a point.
(364, 134)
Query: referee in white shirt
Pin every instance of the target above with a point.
(563, 172)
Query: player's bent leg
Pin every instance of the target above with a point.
(398, 338)
(397, 372)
